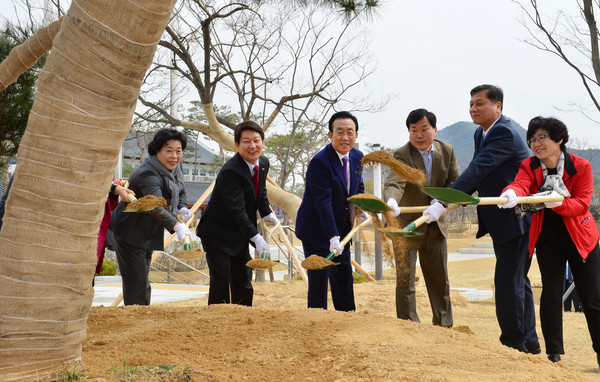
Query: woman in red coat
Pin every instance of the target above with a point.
(560, 231)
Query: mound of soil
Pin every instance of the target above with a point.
(280, 339)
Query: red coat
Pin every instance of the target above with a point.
(575, 212)
(109, 206)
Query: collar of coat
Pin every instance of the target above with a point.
(569, 166)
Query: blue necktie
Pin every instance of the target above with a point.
(345, 168)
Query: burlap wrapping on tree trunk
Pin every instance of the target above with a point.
(82, 112)
(25, 55)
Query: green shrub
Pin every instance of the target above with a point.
(109, 268)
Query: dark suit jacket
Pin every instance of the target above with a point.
(495, 163)
(324, 211)
(146, 230)
(444, 171)
(229, 220)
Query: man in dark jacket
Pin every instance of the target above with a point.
(229, 222)
(499, 152)
(324, 218)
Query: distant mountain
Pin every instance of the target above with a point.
(460, 135)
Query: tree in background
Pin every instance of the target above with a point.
(17, 99)
(289, 155)
(573, 37)
(82, 112)
(270, 60)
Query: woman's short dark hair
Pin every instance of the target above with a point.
(247, 125)
(556, 129)
(343, 115)
(162, 136)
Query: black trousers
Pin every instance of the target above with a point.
(514, 299)
(230, 278)
(338, 277)
(134, 265)
(586, 276)
(433, 259)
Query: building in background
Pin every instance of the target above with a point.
(200, 163)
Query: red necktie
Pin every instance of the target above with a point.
(255, 179)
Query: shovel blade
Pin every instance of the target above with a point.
(369, 203)
(449, 195)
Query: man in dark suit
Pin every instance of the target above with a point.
(499, 152)
(438, 160)
(324, 217)
(229, 222)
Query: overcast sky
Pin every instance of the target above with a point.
(430, 54)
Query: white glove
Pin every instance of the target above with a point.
(553, 204)
(393, 204)
(512, 199)
(271, 218)
(260, 244)
(334, 244)
(187, 214)
(435, 211)
(364, 216)
(182, 231)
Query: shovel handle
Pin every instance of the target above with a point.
(264, 255)
(412, 209)
(414, 224)
(129, 196)
(348, 237)
(186, 243)
(522, 199)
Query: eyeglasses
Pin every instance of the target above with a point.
(538, 139)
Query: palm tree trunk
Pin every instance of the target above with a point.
(82, 112)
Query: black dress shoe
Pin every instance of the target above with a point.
(534, 349)
(554, 357)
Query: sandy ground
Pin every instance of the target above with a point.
(280, 339)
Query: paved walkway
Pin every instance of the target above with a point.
(107, 289)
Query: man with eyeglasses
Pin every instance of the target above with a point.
(324, 217)
(499, 151)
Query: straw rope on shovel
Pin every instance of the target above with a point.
(143, 204)
(188, 253)
(264, 262)
(404, 171)
(168, 240)
(315, 262)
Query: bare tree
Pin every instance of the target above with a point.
(268, 60)
(573, 37)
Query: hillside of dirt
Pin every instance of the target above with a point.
(280, 339)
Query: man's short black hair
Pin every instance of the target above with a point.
(342, 115)
(418, 114)
(247, 125)
(162, 136)
(493, 93)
